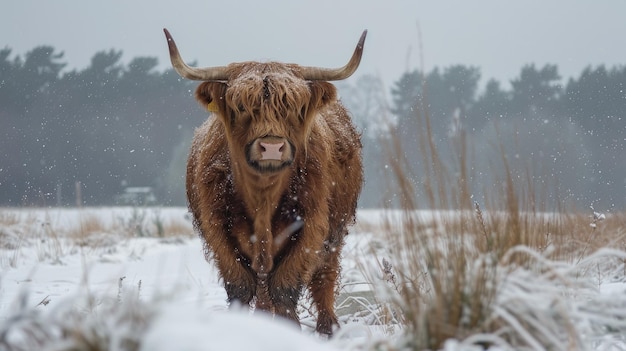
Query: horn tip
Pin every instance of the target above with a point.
(167, 34)
(362, 39)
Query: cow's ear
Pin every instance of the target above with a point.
(322, 93)
(210, 95)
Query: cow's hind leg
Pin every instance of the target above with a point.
(322, 289)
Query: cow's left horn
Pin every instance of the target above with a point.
(207, 74)
(316, 73)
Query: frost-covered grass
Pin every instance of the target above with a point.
(528, 282)
(494, 273)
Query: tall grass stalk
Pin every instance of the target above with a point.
(498, 273)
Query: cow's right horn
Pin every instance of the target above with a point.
(206, 74)
(317, 73)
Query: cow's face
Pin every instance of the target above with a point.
(267, 110)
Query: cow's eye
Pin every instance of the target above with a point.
(302, 115)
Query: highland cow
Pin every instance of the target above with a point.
(273, 179)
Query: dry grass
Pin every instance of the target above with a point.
(177, 228)
(151, 223)
(53, 238)
(89, 231)
(8, 219)
(498, 273)
(12, 235)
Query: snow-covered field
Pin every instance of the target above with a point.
(129, 276)
(92, 258)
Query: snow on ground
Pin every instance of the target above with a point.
(42, 266)
(52, 258)
(50, 268)
(161, 267)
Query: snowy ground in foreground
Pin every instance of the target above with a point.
(45, 265)
(41, 266)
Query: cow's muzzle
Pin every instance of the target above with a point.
(270, 154)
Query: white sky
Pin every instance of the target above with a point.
(497, 36)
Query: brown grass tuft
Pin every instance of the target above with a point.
(177, 227)
(450, 266)
(8, 219)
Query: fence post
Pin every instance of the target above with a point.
(79, 195)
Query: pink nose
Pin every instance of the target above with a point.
(272, 151)
(270, 154)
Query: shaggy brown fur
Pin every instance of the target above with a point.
(273, 233)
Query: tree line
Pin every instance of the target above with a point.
(113, 125)
(563, 141)
(105, 127)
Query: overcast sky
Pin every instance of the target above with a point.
(495, 35)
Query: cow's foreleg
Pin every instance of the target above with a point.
(296, 268)
(233, 266)
(239, 282)
(322, 287)
(286, 303)
(262, 260)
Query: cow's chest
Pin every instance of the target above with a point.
(286, 226)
